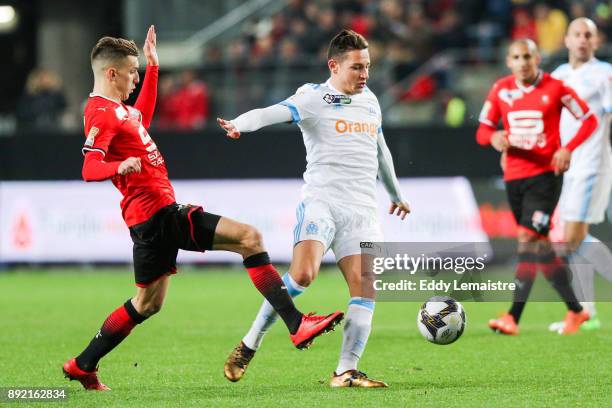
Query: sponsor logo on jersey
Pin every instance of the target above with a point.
(347, 126)
(91, 136)
(509, 95)
(526, 129)
(341, 99)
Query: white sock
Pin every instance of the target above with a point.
(592, 255)
(589, 307)
(598, 254)
(582, 277)
(267, 316)
(357, 328)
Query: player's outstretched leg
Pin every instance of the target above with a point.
(357, 327)
(239, 359)
(247, 241)
(117, 326)
(305, 265)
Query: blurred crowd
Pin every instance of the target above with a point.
(403, 35)
(408, 31)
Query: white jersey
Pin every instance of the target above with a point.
(593, 83)
(340, 134)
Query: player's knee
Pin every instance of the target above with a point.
(304, 275)
(152, 308)
(251, 240)
(573, 241)
(149, 308)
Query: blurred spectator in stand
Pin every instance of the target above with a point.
(183, 106)
(452, 108)
(551, 25)
(391, 25)
(449, 32)
(165, 112)
(602, 16)
(418, 35)
(43, 103)
(294, 10)
(490, 31)
(325, 30)
(523, 25)
(577, 10)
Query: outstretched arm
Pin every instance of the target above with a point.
(386, 172)
(148, 92)
(255, 119)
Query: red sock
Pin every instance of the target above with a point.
(269, 283)
(115, 328)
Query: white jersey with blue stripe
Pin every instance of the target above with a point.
(340, 134)
(593, 83)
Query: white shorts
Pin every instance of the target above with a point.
(336, 226)
(585, 197)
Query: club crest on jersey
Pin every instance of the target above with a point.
(341, 99)
(509, 95)
(91, 136)
(312, 228)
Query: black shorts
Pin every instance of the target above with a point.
(157, 240)
(533, 200)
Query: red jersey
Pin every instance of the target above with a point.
(531, 116)
(118, 131)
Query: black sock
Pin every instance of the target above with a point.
(271, 286)
(116, 327)
(558, 274)
(525, 275)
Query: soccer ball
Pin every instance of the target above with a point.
(441, 320)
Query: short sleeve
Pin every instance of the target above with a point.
(574, 104)
(100, 128)
(490, 113)
(303, 104)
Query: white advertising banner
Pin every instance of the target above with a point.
(74, 221)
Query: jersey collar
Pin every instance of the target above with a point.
(527, 89)
(330, 86)
(91, 95)
(589, 62)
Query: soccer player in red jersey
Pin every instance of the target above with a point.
(118, 147)
(529, 103)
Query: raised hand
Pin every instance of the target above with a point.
(149, 48)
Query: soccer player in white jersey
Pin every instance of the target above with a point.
(340, 121)
(586, 185)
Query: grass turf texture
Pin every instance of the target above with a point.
(176, 358)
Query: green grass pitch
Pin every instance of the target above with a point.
(176, 358)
